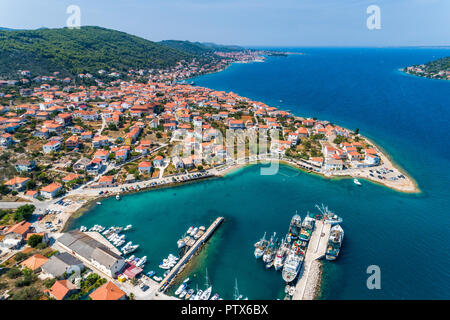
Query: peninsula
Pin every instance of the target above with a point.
(437, 69)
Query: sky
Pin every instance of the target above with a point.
(294, 23)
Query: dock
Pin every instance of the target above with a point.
(317, 247)
(165, 283)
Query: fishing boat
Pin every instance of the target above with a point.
(260, 247)
(281, 255)
(356, 181)
(307, 228)
(292, 266)
(334, 242)
(327, 216)
(269, 253)
(294, 228)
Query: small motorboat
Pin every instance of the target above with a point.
(356, 181)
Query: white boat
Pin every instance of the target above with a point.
(99, 203)
(194, 231)
(183, 293)
(280, 255)
(260, 247)
(189, 294)
(156, 278)
(117, 197)
(334, 242)
(186, 280)
(215, 297)
(198, 294)
(356, 181)
(206, 294)
(180, 288)
(141, 261)
(164, 266)
(128, 227)
(190, 230)
(181, 243)
(291, 266)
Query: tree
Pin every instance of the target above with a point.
(30, 293)
(20, 256)
(24, 212)
(34, 240)
(14, 273)
(48, 283)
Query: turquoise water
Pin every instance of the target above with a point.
(406, 235)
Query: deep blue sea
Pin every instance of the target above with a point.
(406, 235)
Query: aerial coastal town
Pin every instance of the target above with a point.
(66, 143)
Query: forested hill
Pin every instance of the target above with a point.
(88, 49)
(198, 48)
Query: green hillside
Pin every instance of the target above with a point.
(73, 51)
(199, 47)
(195, 48)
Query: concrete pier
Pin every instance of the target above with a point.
(317, 248)
(189, 254)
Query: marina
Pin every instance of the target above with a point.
(189, 254)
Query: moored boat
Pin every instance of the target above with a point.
(294, 228)
(334, 242)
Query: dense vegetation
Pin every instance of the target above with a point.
(198, 48)
(438, 65)
(195, 48)
(74, 51)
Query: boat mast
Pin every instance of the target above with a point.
(206, 277)
(236, 290)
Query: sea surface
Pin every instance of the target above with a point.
(406, 235)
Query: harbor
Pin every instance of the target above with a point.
(318, 236)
